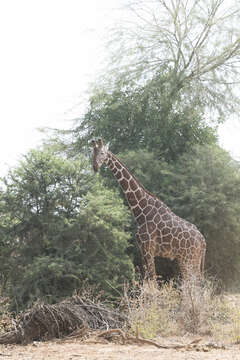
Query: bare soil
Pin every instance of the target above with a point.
(71, 349)
(75, 349)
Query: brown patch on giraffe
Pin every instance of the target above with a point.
(166, 248)
(183, 253)
(126, 174)
(137, 211)
(167, 238)
(138, 194)
(143, 229)
(144, 237)
(188, 244)
(157, 218)
(147, 209)
(141, 219)
(166, 231)
(161, 225)
(151, 227)
(175, 231)
(154, 235)
(131, 199)
(162, 210)
(183, 243)
(143, 203)
(166, 217)
(175, 243)
(151, 201)
(133, 184)
(193, 232)
(157, 248)
(148, 256)
(158, 234)
(158, 203)
(186, 235)
(152, 242)
(196, 243)
(118, 175)
(114, 170)
(169, 223)
(124, 184)
(152, 213)
(118, 165)
(193, 249)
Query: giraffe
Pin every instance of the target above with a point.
(160, 232)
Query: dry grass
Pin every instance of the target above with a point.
(6, 320)
(170, 310)
(225, 326)
(151, 310)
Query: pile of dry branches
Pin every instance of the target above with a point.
(44, 322)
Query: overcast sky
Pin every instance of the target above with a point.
(50, 51)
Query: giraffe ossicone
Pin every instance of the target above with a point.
(160, 232)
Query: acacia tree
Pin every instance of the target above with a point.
(195, 43)
(59, 227)
(173, 72)
(140, 118)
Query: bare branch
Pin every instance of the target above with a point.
(193, 39)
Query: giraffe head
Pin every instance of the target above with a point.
(100, 154)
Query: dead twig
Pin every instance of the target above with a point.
(1, 354)
(73, 317)
(193, 345)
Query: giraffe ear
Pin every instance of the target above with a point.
(100, 143)
(107, 146)
(94, 144)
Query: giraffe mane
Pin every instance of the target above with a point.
(147, 191)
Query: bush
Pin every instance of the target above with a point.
(60, 227)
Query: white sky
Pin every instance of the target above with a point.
(50, 51)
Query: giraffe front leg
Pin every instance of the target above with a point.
(147, 256)
(149, 266)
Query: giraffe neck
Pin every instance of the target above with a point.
(138, 197)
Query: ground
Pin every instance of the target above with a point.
(206, 348)
(74, 349)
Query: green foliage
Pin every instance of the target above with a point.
(45, 277)
(209, 184)
(60, 227)
(107, 222)
(146, 117)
